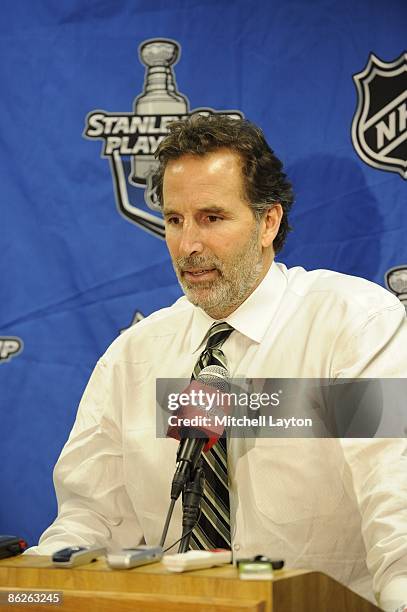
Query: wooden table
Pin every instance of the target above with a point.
(96, 587)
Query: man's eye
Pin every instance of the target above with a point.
(173, 220)
(213, 218)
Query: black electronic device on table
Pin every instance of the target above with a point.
(11, 546)
(72, 556)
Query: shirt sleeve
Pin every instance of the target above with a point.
(378, 349)
(93, 505)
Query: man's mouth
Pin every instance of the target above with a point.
(195, 274)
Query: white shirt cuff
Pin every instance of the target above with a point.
(394, 594)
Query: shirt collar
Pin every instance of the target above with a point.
(254, 316)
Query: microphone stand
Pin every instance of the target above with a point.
(188, 460)
(191, 505)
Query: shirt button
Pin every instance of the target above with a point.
(236, 547)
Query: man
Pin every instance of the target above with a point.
(337, 506)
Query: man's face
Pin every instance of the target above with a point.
(216, 245)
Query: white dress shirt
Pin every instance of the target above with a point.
(339, 506)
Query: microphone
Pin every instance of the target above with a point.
(212, 381)
(193, 440)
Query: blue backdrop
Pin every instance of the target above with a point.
(75, 269)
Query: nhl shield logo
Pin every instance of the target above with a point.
(379, 128)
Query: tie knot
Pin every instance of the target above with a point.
(217, 334)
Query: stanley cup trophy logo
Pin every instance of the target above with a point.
(396, 281)
(131, 139)
(160, 96)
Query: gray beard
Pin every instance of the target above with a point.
(237, 278)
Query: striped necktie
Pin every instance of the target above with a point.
(213, 527)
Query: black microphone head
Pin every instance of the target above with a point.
(215, 376)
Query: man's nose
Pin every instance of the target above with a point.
(191, 240)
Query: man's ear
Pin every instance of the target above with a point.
(270, 224)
